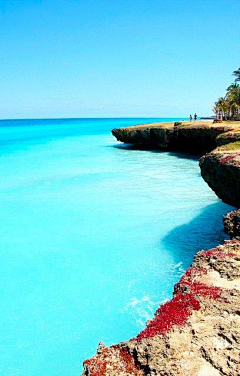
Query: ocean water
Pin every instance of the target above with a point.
(93, 236)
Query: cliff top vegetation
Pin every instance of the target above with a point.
(233, 146)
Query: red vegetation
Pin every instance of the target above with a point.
(217, 253)
(198, 288)
(234, 241)
(96, 367)
(128, 362)
(227, 158)
(191, 274)
(114, 358)
(175, 312)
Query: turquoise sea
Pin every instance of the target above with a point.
(93, 236)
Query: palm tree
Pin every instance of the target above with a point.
(228, 107)
(233, 97)
(237, 74)
(221, 108)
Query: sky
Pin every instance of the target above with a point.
(116, 58)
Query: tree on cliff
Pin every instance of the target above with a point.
(233, 98)
(228, 107)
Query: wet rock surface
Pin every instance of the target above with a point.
(196, 333)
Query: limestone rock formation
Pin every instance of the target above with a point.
(167, 137)
(228, 137)
(197, 333)
(221, 170)
(231, 223)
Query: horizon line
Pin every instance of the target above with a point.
(104, 117)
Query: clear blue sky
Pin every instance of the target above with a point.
(89, 58)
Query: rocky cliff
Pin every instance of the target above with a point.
(197, 333)
(231, 223)
(188, 137)
(228, 137)
(221, 170)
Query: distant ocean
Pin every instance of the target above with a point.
(93, 237)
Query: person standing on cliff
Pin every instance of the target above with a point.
(195, 117)
(190, 117)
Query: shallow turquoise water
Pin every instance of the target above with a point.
(93, 236)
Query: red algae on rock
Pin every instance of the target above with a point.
(98, 367)
(128, 361)
(189, 283)
(212, 292)
(228, 158)
(115, 360)
(174, 312)
(191, 274)
(217, 253)
(196, 333)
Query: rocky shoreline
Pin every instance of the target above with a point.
(198, 331)
(181, 138)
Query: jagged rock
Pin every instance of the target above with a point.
(221, 170)
(231, 223)
(197, 333)
(101, 347)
